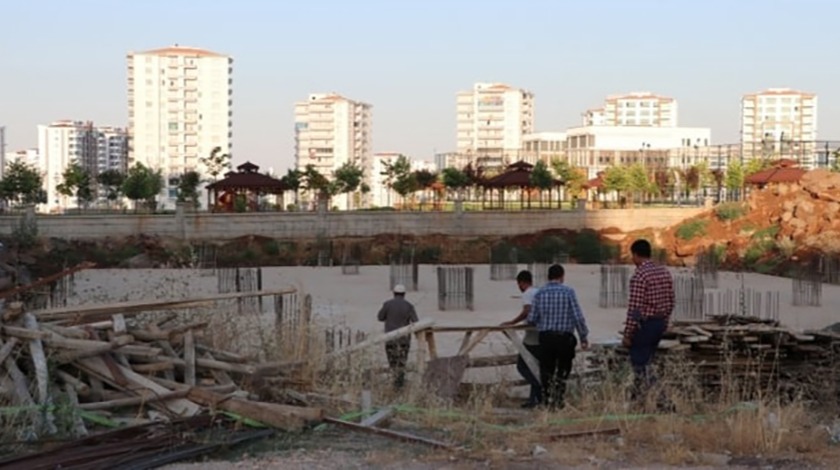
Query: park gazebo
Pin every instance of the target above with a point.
(246, 183)
(516, 176)
(783, 171)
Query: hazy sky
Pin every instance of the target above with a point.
(66, 60)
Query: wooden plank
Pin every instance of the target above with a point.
(466, 349)
(493, 361)
(80, 387)
(530, 360)
(119, 323)
(144, 396)
(430, 341)
(378, 417)
(464, 342)
(398, 333)
(189, 358)
(388, 433)
(180, 406)
(81, 312)
(584, 433)
(79, 428)
(220, 376)
(288, 418)
(42, 374)
(474, 328)
(7, 349)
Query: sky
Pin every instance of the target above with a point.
(66, 60)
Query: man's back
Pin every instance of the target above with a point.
(397, 313)
(652, 291)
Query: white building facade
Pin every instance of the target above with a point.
(598, 147)
(331, 130)
(180, 102)
(492, 120)
(544, 146)
(779, 123)
(639, 109)
(61, 144)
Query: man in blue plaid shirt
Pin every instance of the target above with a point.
(557, 315)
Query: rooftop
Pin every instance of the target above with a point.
(182, 50)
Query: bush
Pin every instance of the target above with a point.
(272, 248)
(587, 247)
(547, 249)
(730, 211)
(768, 233)
(691, 230)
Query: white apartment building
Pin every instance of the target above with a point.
(180, 108)
(380, 193)
(331, 130)
(28, 156)
(59, 145)
(111, 149)
(95, 149)
(598, 147)
(779, 123)
(544, 146)
(492, 120)
(641, 108)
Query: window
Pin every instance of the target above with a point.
(173, 126)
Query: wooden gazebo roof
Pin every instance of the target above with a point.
(247, 177)
(516, 175)
(783, 171)
(595, 183)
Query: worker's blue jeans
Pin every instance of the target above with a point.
(643, 347)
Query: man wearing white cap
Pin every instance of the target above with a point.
(397, 313)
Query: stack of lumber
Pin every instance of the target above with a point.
(744, 346)
(106, 367)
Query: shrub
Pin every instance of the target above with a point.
(691, 230)
(587, 247)
(767, 233)
(730, 211)
(547, 249)
(272, 248)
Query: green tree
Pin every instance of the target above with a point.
(22, 184)
(573, 178)
(663, 183)
(617, 178)
(316, 183)
(143, 184)
(455, 180)
(346, 179)
(112, 181)
(188, 187)
(754, 165)
(216, 163)
(76, 181)
(638, 181)
(425, 180)
(292, 180)
(541, 178)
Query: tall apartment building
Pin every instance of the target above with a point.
(331, 130)
(492, 119)
(642, 108)
(180, 108)
(61, 143)
(779, 123)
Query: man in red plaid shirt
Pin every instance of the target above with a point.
(648, 311)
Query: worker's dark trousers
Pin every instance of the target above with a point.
(535, 396)
(642, 351)
(397, 352)
(557, 351)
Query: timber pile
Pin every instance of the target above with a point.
(743, 347)
(107, 368)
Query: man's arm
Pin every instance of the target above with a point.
(382, 313)
(634, 308)
(523, 314)
(580, 321)
(412, 315)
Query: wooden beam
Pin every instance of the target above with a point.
(82, 312)
(288, 418)
(584, 433)
(530, 360)
(46, 280)
(398, 333)
(467, 348)
(378, 417)
(493, 361)
(388, 433)
(461, 329)
(189, 358)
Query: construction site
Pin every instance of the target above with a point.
(191, 358)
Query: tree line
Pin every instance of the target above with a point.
(23, 183)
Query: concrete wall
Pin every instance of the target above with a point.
(345, 224)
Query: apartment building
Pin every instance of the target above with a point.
(492, 120)
(331, 130)
(544, 146)
(779, 123)
(643, 109)
(111, 149)
(598, 147)
(180, 102)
